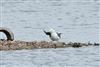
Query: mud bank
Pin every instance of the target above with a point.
(18, 45)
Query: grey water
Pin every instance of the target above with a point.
(61, 57)
(77, 20)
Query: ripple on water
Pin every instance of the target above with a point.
(60, 57)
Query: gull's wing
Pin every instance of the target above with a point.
(47, 33)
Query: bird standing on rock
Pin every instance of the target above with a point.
(54, 36)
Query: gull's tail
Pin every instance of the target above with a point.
(59, 34)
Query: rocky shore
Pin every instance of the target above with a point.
(18, 45)
(10, 44)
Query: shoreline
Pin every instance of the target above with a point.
(19, 45)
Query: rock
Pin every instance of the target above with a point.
(18, 45)
(96, 44)
(77, 45)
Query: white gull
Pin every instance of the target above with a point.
(54, 36)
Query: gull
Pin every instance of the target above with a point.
(54, 36)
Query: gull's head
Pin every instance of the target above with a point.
(52, 30)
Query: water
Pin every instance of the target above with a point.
(78, 20)
(61, 57)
